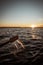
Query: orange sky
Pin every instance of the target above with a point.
(20, 25)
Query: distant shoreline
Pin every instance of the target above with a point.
(20, 27)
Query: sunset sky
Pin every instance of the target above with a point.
(21, 13)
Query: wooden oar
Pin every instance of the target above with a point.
(12, 39)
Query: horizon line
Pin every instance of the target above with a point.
(18, 27)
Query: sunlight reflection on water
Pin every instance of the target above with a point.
(35, 33)
(23, 33)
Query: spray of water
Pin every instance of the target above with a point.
(20, 43)
(16, 46)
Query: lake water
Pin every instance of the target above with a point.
(31, 38)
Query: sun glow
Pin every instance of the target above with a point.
(33, 26)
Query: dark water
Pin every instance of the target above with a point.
(32, 39)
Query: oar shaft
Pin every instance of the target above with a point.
(10, 40)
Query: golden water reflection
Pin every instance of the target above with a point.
(33, 36)
(35, 33)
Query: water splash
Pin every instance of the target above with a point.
(20, 43)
